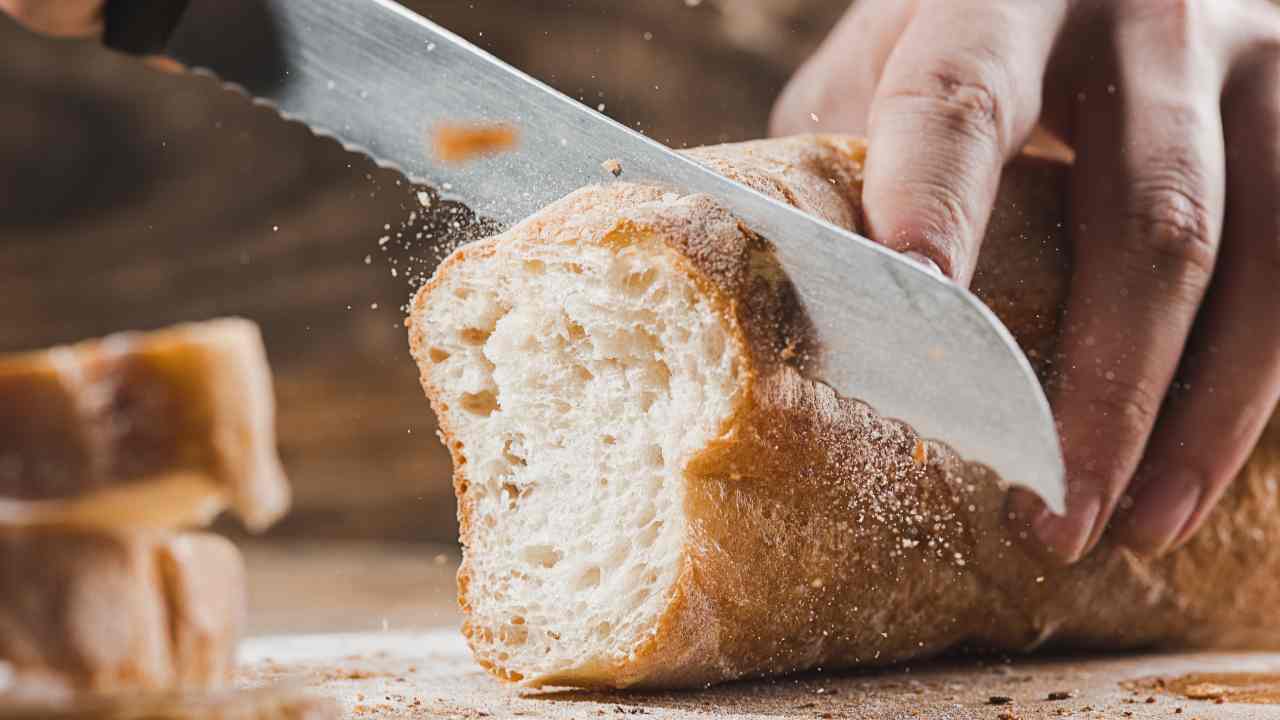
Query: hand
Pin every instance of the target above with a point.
(86, 19)
(1171, 340)
(60, 18)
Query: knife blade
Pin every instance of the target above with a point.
(377, 77)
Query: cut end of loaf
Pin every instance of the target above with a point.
(574, 376)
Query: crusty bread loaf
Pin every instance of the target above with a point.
(109, 450)
(141, 429)
(125, 611)
(652, 493)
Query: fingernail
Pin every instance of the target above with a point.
(1067, 536)
(1162, 511)
(925, 261)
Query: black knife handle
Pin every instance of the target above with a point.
(141, 27)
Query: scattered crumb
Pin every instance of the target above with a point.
(459, 143)
(1060, 695)
(1246, 687)
(999, 700)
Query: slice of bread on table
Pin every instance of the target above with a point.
(112, 453)
(148, 427)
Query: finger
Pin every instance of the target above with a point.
(60, 18)
(1147, 202)
(959, 95)
(832, 91)
(1230, 380)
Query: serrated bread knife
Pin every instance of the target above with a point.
(377, 77)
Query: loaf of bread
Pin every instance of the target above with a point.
(111, 450)
(651, 491)
(160, 429)
(105, 612)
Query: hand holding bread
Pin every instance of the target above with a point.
(1172, 109)
(652, 492)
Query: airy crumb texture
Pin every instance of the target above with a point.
(576, 379)
(653, 492)
(460, 143)
(158, 429)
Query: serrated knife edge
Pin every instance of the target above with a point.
(878, 316)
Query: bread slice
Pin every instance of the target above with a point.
(159, 429)
(651, 492)
(87, 611)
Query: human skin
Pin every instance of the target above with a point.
(1170, 360)
(60, 18)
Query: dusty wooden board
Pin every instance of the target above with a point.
(349, 590)
(430, 674)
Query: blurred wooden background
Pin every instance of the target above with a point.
(133, 199)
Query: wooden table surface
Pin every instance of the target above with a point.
(374, 626)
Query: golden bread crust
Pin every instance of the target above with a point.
(821, 534)
(97, 612)
(162, 429)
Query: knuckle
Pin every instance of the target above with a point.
(1172, 229)
(963, 96)
(970, 106)
(1126, 409)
